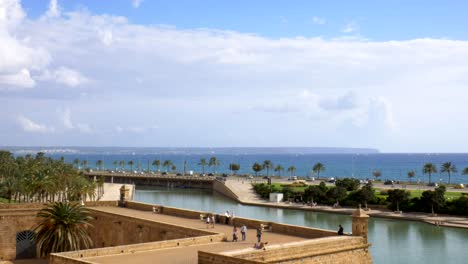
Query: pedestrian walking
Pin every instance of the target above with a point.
(213, 220)
(259, 233)
(243, 232)
(234, 234)
(227, 215)
(207, 221)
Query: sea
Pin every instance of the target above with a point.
(338, 162)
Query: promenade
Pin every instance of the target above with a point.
(244, 190)
(187, 254)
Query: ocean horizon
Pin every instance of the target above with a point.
(393, 166)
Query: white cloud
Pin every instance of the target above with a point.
(318, 20)
(140, 72)
(22, 79)
(136, 3)
(30, 126)
(350, 27)
(54, 9)
(63, 75)
(17, 57)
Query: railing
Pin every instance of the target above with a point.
(149, 176)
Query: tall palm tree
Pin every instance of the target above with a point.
(84, 163)
(157, 164)
(429, 168)
(267, 164)
(115, 163)
(63, 227)
(122, 164)
(411, 174)
(174, 168)
(448, 168)
(131, 163)
(214, 162)
(76, 163)
(167, 164)
(203, 163)
(256, 167)
(279, 169)
(291, 170)
(318, 167)
(99, 164)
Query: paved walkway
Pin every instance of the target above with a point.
(185, 254)
(245, 190)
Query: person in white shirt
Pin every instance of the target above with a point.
(243, 232)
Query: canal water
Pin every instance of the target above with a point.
(393, 241)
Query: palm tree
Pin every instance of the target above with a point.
(131, 163)
(157, 164)
(174, 168)
(429, 168)
(84, 163)
(122, 164)
(203, 163)
(465, 171)
(411, 174)
(115, 163)
(448, 168)
(267, 164)
(235, 167)
(76, 163)
(256, 167)
(99, 164)
(279, 169)
(167, 164)
(376, 174)
(318, 167)
(291, 170)
(214, 162)
(63, 227)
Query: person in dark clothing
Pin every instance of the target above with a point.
(340, 231)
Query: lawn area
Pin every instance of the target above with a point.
(294, 189)
(3, 200)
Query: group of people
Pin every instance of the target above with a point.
(210, 221)
(243, 231)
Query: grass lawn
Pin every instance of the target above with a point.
(3, 200)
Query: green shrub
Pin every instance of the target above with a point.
(348, 183)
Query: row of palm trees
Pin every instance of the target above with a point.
(40, 179)
(268, 165)
(429, 169)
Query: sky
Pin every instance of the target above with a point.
(391, 75)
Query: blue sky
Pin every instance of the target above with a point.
(391, 75)
(376, 20)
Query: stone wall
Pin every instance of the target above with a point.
(221, 188)
(343, 249)
(80, 256)
(212, 258)
(11, 223)
(116, 230)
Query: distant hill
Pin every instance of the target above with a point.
(188, 151)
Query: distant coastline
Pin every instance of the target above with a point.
(194, 150)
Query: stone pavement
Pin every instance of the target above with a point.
(186, 254)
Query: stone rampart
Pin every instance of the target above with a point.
(343, 249)
(221, 188)
(213, 258)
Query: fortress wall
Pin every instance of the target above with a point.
(213, 258)
(115, 230)
(80, 256)
(343, 249)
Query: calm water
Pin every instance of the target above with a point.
(392, 166)
(392, 241)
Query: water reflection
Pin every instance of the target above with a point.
(392, 241)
